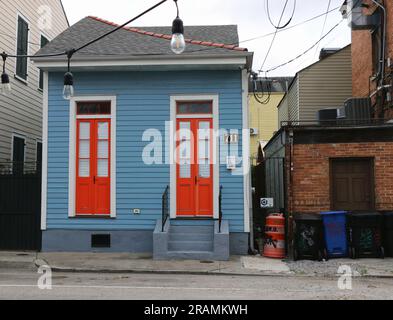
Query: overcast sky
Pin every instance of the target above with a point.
(249, 15)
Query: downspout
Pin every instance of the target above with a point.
(381, 72)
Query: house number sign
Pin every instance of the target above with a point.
(231, 138)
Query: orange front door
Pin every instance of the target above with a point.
(194, 168)
(93, 167)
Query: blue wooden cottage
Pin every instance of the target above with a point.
(147, 156)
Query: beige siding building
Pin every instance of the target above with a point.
(25, 26)
(325, 84)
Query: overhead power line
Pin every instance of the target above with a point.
(310, 48)
(275, 34)
(324, 25)
(285, 24)
(304, 52)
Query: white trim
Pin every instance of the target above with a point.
(39, 73)
(194, 116)
(216, 146)
(72, 150)
(145, 61)
(21, 136)
(44, 184)
(98, 116)
(19, 15)
(246, 154)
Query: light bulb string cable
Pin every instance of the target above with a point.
(69, 53)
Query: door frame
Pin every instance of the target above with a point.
(73, 146)
(214, 98)
(372, 177)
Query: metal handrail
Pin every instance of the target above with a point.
(220, 210)
(165, 207)
(334, 122)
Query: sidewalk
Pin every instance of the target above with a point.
(237, 266)
(241, 266)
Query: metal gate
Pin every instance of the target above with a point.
(20, 207)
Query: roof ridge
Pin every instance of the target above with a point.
(169, 37)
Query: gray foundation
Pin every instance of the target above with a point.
(131, 241)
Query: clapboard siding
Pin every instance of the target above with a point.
(326, 84)
(22, 111)
(143, 100)
(293, 101)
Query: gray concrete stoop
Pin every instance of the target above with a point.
(190, 242)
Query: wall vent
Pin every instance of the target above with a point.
(100, 240)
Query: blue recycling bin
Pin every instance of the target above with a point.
(335, 233)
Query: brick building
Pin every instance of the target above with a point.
(372, 53)
(317, 168)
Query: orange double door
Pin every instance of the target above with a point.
(93, 162)
(194, 174)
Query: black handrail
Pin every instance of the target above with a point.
(165, 207)
(220, 210)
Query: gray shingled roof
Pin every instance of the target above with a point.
(125, 42)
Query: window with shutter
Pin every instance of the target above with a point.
(44, 42)
(22, 48)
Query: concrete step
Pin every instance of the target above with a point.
(187, 255)
(177, 236)
(191, 246)
(191, 229)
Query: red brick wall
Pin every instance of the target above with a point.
(311, 177)
(362, 68)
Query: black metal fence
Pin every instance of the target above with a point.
(20, 206)
(20, 168)
(165, 208)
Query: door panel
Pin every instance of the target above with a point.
(93, 167)
(194, 167)
(352, 184)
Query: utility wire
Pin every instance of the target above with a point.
(306, 51)
(315, 44)
(323, 27)
(285, 24)
(271, 33)
(275, 34)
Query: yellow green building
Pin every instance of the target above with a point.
(264, 116)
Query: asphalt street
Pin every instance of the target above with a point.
(21, 284)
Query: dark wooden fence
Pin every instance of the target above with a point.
(20, 210)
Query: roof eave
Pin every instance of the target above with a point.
(241, 59)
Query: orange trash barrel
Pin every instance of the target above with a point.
(274, 246)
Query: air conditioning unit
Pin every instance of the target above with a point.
(327, 116)
(254, 131)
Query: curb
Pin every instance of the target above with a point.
(59, 269)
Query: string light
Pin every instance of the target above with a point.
(178, 44)
(5, 79)
(68, 90)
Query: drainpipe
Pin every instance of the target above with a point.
(383, 50)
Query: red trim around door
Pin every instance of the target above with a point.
(93, 163)
(194, 168)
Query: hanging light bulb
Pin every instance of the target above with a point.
(68, 90)
(178, 44)
(5, 88)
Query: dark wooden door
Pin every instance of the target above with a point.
(352, 184)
